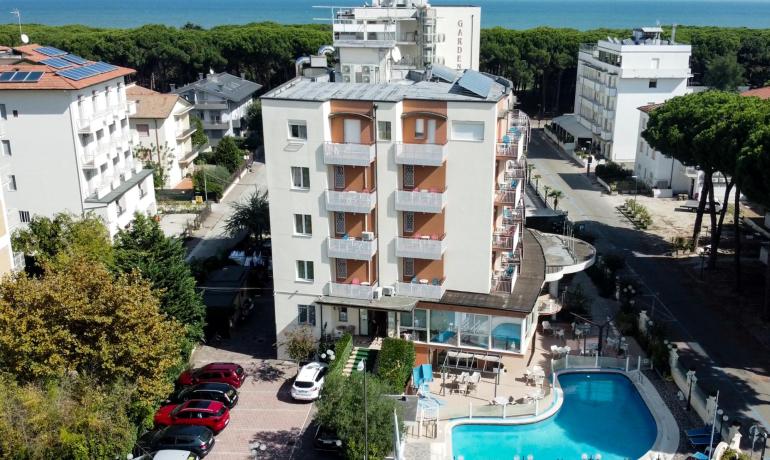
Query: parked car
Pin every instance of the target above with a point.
(230, 373)
(326, 439)
(211, 414)
(692, 205)
(308, 383)
(212, 391)
(196, 439)
(174, 454)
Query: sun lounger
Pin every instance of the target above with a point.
(702, 431)
(703, 441)
(700, 456)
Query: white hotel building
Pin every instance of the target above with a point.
(614, 78)
(397, 210)
(67, 145)
(383, 42)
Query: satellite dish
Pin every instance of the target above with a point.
(395, 54)
(24, 38)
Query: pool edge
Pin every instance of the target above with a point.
(667, 437)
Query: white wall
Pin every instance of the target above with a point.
(652, 166)
(388, 181)
(462, 26)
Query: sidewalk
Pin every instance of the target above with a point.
(211, 239)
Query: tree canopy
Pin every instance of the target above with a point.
(251, 215)
(227, 154)
(724, 73)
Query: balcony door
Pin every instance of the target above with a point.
(352, 131)
(339, 177)
(431, 131)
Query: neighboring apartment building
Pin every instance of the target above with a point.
(397, 210)
(384, 41)
(221, 101)
(614, 78)
(67, 145)
(9, 221)
(161, 127)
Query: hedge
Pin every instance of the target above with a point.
(394, 363)
(342, 349)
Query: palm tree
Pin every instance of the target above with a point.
(546, 191)
(537, 178)
(251, 215)
(556, 195)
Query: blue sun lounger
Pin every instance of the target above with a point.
(702, 431)
(703, 441)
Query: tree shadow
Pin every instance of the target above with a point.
(278, 445)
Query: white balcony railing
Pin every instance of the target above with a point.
(510, 150)
(351, 291)
(607, 135)
(421, 291)
(420, 201)
(357, 202)
(421, 154)
(351, 249)
(421, 248)
(348, 154)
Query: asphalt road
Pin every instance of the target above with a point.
(724, 357)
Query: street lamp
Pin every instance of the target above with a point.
(636, 186)
(362, 368)
(690, 381)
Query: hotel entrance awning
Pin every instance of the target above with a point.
(570, 124)
(401, 304)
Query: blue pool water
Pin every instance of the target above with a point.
(602, 413)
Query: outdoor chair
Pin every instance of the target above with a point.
(546, 327)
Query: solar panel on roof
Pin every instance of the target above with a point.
(103, 67)
(19, 76)
(50, 51)
(6, 76)
(56, 62)
(444, 73)
(78, 73)
(75, 59)
(33, 77)
(476, 83)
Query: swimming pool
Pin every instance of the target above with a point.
(601, 413)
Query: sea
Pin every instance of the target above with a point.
(514, 14)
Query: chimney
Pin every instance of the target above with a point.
(200, 76)
(173, 87)
(243, 75)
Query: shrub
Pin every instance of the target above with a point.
(300, 343)
(731, 454)
(342, 350)
(394, 363)
(215, 180)
(227, 154)
(611, 172)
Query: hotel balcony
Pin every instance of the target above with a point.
(510, 150)
(216, 125)
(431, 201)
(504, 280)
(93, 156)
(357, 202)
(421, 154)
(514, 173)
(596, 129)
(509, 195)
(425, 247)
(351, 291)
(340, 248)
(348, 154)
(606, 135)
(420, 290)
(506, 240)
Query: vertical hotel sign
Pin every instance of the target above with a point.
(459, 44)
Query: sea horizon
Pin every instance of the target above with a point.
(520, 14)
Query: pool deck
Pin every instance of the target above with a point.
(433, 441)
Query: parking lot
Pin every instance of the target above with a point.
(265, 413)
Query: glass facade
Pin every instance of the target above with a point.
(443, 327)
(474, 330)
(414, 326)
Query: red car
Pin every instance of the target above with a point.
(215, 372)
(211, 414)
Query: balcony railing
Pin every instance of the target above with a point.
(357, 202)
(513, 174)
(422, 291)
(431, 201)
(507, 197)
(502, 241)
(351, 291)
(510, 150)
(421, 154)
(348, 154)
(606, 135)
(425, 247)
(341, 248)
(215, 125)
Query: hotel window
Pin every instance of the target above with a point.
(306, 314)
(419, 128)
(408, 222)
(143, 129)
(305, 270)
(3, 113)
(653, 83)
(343, 317)
(474, 330)
(408, 176)
(341, 266)
(24, 217)
(468, 131)
(298, 130)
(7, 148)
(443, 327)
(339, 223)
(408, 267)
(339, 177)
(12, 182)
(383, 131)
(300, 177)
(414, 325)
(506, 333)
(302, 224)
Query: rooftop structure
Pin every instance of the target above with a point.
(66, 140)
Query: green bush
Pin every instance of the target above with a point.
(227, 153)
(731, 454)
(394, 363)
(610, 171)
(342, 350)
(217, 178)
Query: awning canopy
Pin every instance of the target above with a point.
(401, 304)
(570, 124)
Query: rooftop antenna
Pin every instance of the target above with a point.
(23, 36)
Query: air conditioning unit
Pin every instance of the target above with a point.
(346, 79)
(366, 69)
(376, 293)
(346, 69)
(367, 236)
(366, 80)
(388, 291)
